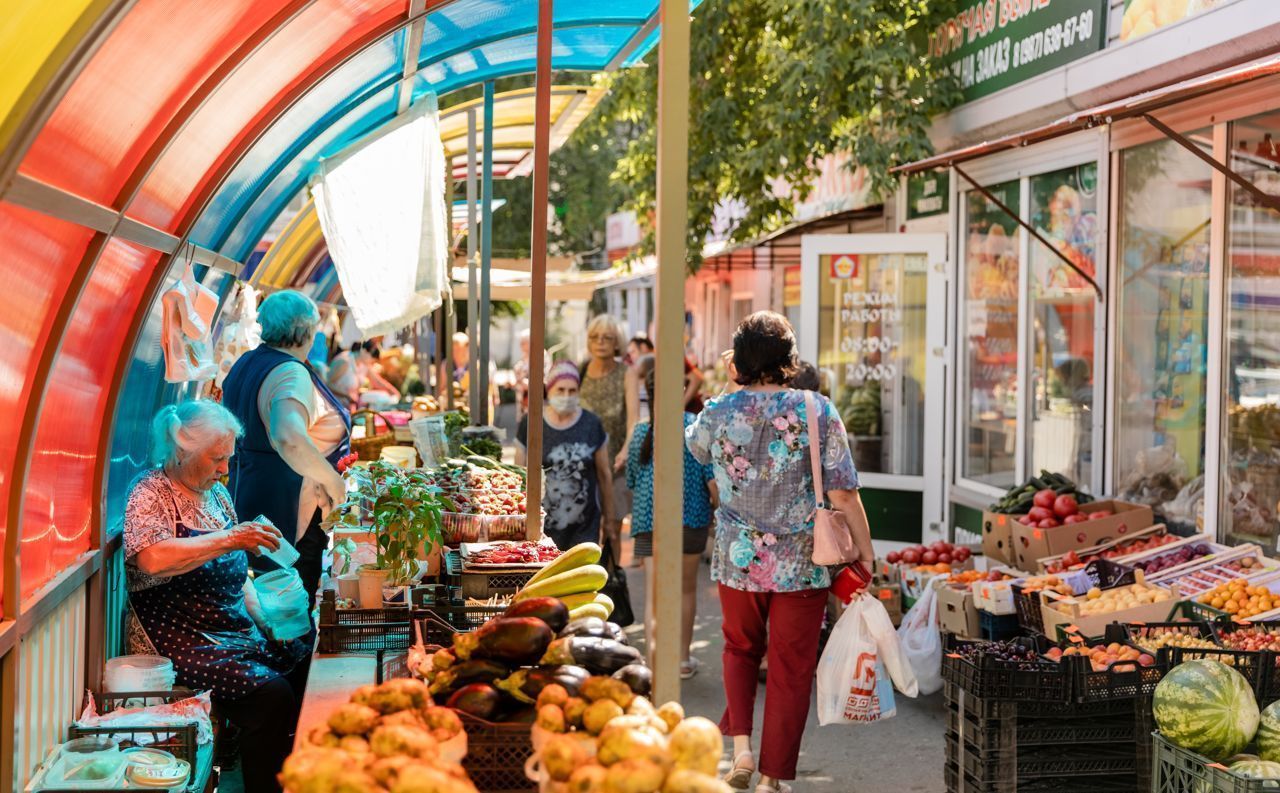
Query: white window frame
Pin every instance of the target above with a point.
(1022, 165)
(934, 248)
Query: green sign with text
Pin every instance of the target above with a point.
(994, 44)
(926, 194)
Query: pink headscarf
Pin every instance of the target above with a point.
(565, 370)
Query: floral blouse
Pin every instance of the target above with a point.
(758, 446)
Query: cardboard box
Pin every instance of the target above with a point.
(890, 596)
(957, 613)
(1064, 612)
(913, 580)
(1032, 544)
(997, 537)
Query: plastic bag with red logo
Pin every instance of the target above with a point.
(860, 666)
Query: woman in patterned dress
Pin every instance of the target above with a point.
(772, 595)
(186, 564)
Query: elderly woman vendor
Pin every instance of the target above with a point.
(296, 430)
(189, 594)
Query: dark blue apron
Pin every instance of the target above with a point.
(261, 482)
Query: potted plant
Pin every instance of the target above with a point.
(406, 523)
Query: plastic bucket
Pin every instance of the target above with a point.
(284, 603)
(138, 673)
(285, 555)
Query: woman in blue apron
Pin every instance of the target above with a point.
(187, 566)
(296, 430)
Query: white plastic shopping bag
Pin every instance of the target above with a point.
(857, 666)
(187, 322)
(922, 641)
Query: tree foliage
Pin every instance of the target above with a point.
(775, 86)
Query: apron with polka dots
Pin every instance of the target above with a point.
(198, 620)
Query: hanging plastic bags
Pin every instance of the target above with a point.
(922, 641)
(241, 334)
(861, 659)
(187, 320)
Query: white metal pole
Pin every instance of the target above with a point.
(473, 300)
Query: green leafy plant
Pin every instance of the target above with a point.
(406, 513)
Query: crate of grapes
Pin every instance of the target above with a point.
(1013, 670)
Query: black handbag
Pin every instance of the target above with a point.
(616, 588)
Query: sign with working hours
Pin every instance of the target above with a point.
(994, 44)
(844, 266)
(926, 194)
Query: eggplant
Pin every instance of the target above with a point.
(602, 656)
(526, 715)
(515, 641)
(593, 626)
(477, 670)
(548, 609)
(478, 699)
(638, 677)
(526, 684)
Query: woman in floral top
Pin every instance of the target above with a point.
(757, 442)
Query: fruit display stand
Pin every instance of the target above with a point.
(1065, 615)
(1242, 562)
(1115, 550)
(1099, 573)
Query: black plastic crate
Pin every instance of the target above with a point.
(180, 741)
(1044, 762)
(1177, 770)
(989, 678)
(1015, 734)
(1134, 633)
(438, 624)
(1027, 609)
(1269, 688)
(998, 627)
(1257, 668)
(958, 700)
(496, 755)
(1194, 611)
(361, 630)
(1122, 680)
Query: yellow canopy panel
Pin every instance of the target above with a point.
(513, 120)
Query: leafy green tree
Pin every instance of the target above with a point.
(776, 86)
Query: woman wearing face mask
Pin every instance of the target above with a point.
(575, 462)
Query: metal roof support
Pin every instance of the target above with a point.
(472, 300)
(538, 266)
(486, 250)
(1030, 230)
(1265, 199)
(668, 446)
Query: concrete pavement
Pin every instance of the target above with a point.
(905, 753)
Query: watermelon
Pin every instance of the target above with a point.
(1206, 707)
(1269, 733)
(1257, 769)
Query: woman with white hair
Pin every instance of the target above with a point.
(604, 393)
(295, 432)
(190, 600)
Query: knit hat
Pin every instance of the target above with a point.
(565, 370)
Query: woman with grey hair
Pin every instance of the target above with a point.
(295, 432)
(190, 599)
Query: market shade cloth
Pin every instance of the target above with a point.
(381, 207)
(513, 127)
(1104, 114)
(575, 285)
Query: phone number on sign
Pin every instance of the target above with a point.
(1054, 38)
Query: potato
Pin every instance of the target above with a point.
(587, 779)
(696, 744)
(634, 776)
(353, 719)
(574, 709)
(598, 714)
(561, 755)
(551, 718)
(641, 706)
(633, 743)
(395, 739)
(684, 780)
(599, 687)
(672, 713)
(554, 694)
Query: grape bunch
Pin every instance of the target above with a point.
(1165, 561)
(1011, 652)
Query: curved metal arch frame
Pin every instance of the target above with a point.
(354, 101)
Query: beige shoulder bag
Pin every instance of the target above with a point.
(832, 536)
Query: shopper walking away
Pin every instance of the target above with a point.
(575, 462)
(295, 432)
(772, 595)
(696, 523)
(604, 393)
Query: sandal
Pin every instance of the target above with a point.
(739, 777)
(782, 787)
(689, 668)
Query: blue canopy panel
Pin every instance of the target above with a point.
(464, 43)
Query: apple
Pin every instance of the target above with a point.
(911, 556)
(929, 557)
(893, 557)
(1064, 506)
(1045, 498)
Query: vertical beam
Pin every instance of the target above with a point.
(538, 265)
(472, 299)
(1217, 394)
(668, 446)
(486, 250)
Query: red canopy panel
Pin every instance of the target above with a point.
(40, 255)
(119, 105)
(284, 63)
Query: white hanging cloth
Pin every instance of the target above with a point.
(186, 324)
(381, 207)
(241, 334)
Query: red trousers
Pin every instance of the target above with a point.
(792, 646)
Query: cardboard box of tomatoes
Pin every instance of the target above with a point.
(1050, 529)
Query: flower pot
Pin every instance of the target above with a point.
(371, 583)
(349, 586)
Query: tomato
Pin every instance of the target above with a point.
(1038, 514)
(893, 557)
(929, 557)
(911, 556)
(1064, 506)
(1075, 518)
(944, 557)
(941, 546)
(1100, 514)
(1045, 498)
(961, 554)
(1048, 523)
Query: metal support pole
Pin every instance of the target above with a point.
(538, 267)
(486, 249)
(472, 291)
(668, 438)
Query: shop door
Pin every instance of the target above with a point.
(873, 318)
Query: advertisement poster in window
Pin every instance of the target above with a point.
(1143, 16)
